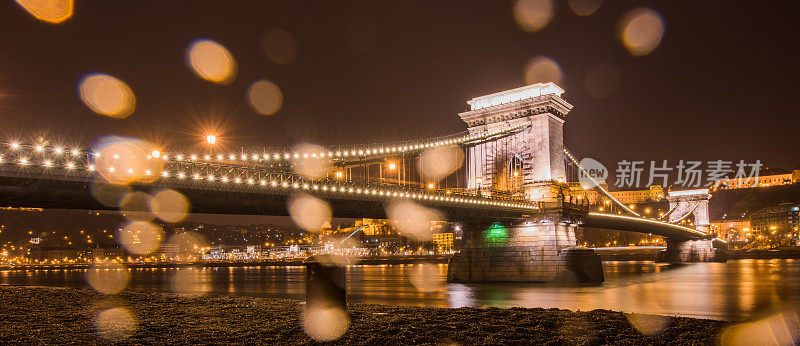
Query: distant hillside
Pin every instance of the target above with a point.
(738, 202)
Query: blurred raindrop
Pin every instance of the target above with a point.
(641, 30)
(542, 69)
(140, 238)
(107, 278)
(585, 7)
(777, 329)
(135, 207)
(602, 80)
(115, 324)
(107, 95)
(110, 195)
(211, 61)
(186, 244)
(122, 160)
(51, 11)
(279, 46)
(325, 324)
(190, 281)
(437, 163)
(426, 277)
(309, 213)
(413, 220)
(648, 324)
(265, 97)
(170, 205)
(310, 167)
(533, 15)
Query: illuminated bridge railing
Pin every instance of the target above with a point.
(225, 177)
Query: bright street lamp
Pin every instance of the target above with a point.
(211, 139)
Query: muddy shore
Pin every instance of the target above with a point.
(46, 315)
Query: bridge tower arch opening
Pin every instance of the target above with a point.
(537, 147)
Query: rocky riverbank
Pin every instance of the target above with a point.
(45, 315)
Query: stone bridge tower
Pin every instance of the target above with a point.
(529, 162)
(686, 200)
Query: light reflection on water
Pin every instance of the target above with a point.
(734, 291)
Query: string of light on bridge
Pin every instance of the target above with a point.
(73, 163)
(275, 156)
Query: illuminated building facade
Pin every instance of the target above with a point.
(760, 181)
(779, 223)
(443, 241)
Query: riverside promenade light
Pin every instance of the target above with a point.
(211, 139)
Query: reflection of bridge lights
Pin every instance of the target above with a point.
(339, 174)
(392, 166)
(430, 186)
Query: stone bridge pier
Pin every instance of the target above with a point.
(699, 250)
(538, 250)
(695, 204)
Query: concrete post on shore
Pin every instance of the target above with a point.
(326, 282)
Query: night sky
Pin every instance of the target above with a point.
(721, 85)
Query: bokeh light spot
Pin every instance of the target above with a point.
(533, 15)
(542, 69)
(413, 220)
(110, 195)
(121, 160)
(641, 30)
(107, 95)
(190, 281)
(426, 277)
(140, 238)
(107, 278)
(437, 163)
(777, 329)
(185, 246)
(602, 80)
(115, 324)
(135, 206)
(279, 46)
(50, 11)
(265, 97)
(170, 205)
(648, 324)
(311, 168)
(309, 213)
(585, 7)
(211, 61)
(325, 324)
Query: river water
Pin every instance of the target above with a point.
(736, 290)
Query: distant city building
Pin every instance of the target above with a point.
(760, 181)
(783, 217)
(654, 193)
(731, 230)
(443, 241)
